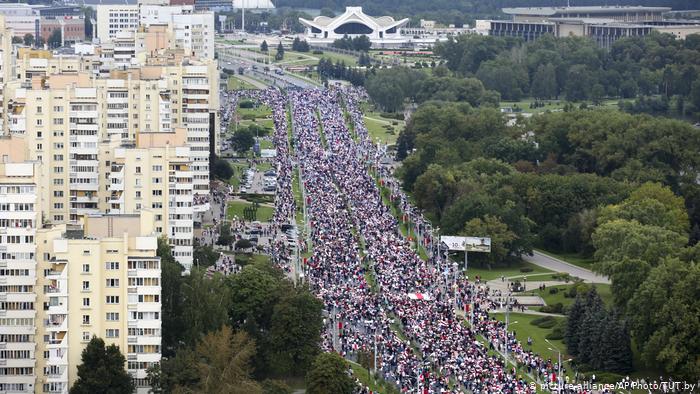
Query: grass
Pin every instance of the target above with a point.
(238, 171)
(513, 270)
(524, 329)
(377, 131)
(235, 83)
(261, 111)
(235, 208)
(604, 290)
(380, 387)
(572, 258)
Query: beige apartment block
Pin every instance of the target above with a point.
(20, 217)
(101, 278)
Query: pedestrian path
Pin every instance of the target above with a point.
(558, 265)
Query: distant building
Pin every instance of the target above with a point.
(72, 28)
(20, 18)
(603, 24)
(213, 5)
(112, 18)
(253, 4)
(353, 22)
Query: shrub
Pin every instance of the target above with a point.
(526, 269)
(317, 52)
(544, 322)
(556, 308)
(395, 123)
(557, 332)
(246, 104)
(243, 244)
(553, 290)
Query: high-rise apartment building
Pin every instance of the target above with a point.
(100, 279)
(20, 216)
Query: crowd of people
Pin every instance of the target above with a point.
(365, 270)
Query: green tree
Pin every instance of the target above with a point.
(224, 363)
(171, 307)
(205, 304)
(29, 39)
(501, 238)
(102, 370)
(544, 82)
(280, 52)
(574, 319)
(665, 319)
(256, 290)
(17, 40)
(204, 255)
(263, 46)
(329, 375)
(242, 140)
(295, 333)
(54, 40)
(221, 169)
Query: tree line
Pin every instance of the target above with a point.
(617, 187)
(657, 66)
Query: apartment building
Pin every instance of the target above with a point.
(20, 216)
(6, 65)
(113, 18)
(98, 279)
(156, 174)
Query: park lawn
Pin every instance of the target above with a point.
(378, 132)
(513, 270)
(603, 290)
(572, 258)
(235, 208)
(523, 329)
(266, 144)
(235, 83)
(261, 111)
(339, 57)
(238, 171)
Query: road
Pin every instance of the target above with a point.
(557, 265)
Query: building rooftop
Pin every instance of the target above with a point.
(549, 11)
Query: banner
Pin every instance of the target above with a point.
(470, 244)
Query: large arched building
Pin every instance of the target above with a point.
(353, 22)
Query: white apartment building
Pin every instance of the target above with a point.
(112, 18)
(20, 216)
(194, 33)
(98, 279)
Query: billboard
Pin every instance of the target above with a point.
(470, 244)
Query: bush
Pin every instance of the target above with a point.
(575, 289)
(526, 269)
(557, 332)
(317, 52)
(553, 290)
(392, 115)
(556, 308)
(395, 123)
(243, 244)
(544, 322)
(246, 104)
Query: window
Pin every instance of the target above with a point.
(86, 302)
(112, 316)
(112, 333)
(112, 282)
(86, 320)
(112, 265)
(157, 192)
(86, 335)
(138, 170)
(86, 285)
(112, 299)
(86, 268)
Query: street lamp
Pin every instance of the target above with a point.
(556, 349)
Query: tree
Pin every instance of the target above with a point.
(102, 370)
(205, 304)
(501, 237)
(16, 40)
(295, 333)
(544, 82)
(280, 52)
(665, 319)
(242, 140)
(221, 169)
(263, 46)
(329, 375)
(574, 319)
(256, 290)
(224, 364)
(55, 38)
(300, 45)
(171, 282)
(29, 39)
(204, 255)
(225, 236)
